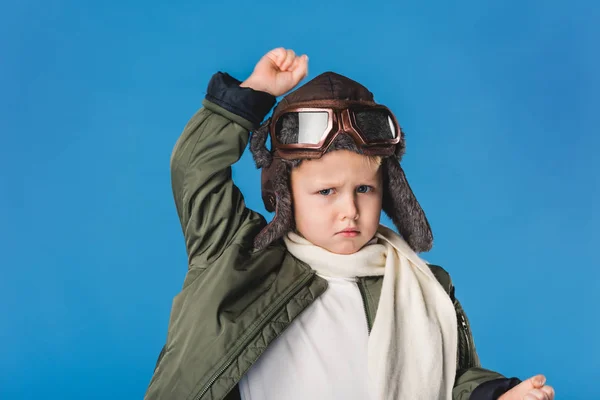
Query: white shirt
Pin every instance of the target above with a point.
(321, 355)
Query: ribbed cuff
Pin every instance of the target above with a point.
(493, 389)
(225, 91)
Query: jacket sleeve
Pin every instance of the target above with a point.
(481, 384)
(211, 208)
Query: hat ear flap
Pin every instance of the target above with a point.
(283, 221)
(401, 205)
(262, 156)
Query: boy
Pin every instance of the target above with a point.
(335, 305)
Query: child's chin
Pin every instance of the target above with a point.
(347, 247)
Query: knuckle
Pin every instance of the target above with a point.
(549, 390)
(541, 394)
(533, 395)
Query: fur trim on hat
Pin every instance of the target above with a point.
(262, 156)
(283, 221)
(401, 205)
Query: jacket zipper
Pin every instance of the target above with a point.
(259, 325)
(363, 295)
(466, 334)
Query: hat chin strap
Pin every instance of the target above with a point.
(267, 179)
(277, 197)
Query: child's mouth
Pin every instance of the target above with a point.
(349, 233)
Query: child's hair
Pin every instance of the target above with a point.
(374, 161)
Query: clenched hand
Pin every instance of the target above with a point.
(278, 71)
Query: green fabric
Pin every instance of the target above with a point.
(235, 301)
(469, 380)
(229, 115)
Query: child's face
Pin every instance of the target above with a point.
(339, 191)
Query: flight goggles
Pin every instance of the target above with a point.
(306, 130)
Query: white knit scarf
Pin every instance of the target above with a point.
(412, 346)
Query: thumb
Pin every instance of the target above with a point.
(535, 382)
(301, 70)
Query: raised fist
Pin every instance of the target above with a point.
(278, 72)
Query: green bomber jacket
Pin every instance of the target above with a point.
(235, 301)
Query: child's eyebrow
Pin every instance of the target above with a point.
(326, 183)
(370, 180)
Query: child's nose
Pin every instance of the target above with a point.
(349, 208)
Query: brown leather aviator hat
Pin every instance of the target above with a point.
(332, 112)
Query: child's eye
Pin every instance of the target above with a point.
(326, 192)
(364, 189)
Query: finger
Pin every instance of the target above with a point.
(303, 59)
(539, 394)
(526, 386)
(539, 381)
(277, 55)
(301, 70)
(289, 59)
(549, 390)
(299, 62)
(535, 382)
(535, 394)
(295, 63)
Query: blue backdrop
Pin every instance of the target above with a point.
(499, 99)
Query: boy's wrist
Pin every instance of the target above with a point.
(253, 84)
